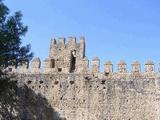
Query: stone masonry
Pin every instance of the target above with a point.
(79, 93)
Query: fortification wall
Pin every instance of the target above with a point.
(69, 57)
(77, 92)
(84, 97)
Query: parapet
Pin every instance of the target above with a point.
(68, 56)
(61, 43)
(108, 68)
(36, 65)
(82, 39)
(83, 68)
(136, 67)
(95, 66)
(71, 42)
(122, 67)
(149, 66)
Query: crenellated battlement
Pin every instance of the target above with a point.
(69, 57)
(79, 92)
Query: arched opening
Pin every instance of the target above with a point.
(52, 63)
(73, 61)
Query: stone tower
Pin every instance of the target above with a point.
(65, 57)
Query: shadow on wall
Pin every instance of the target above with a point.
(22, 103)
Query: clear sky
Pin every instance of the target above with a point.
(114, 29)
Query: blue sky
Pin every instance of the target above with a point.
(114, 29)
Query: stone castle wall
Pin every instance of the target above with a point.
(79, 93)
(82, 97)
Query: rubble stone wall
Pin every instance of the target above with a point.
(83, 97)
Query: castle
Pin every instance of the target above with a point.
(70, 58)
(77, 92)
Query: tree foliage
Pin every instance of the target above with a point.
(11, 32)
(12, 52)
